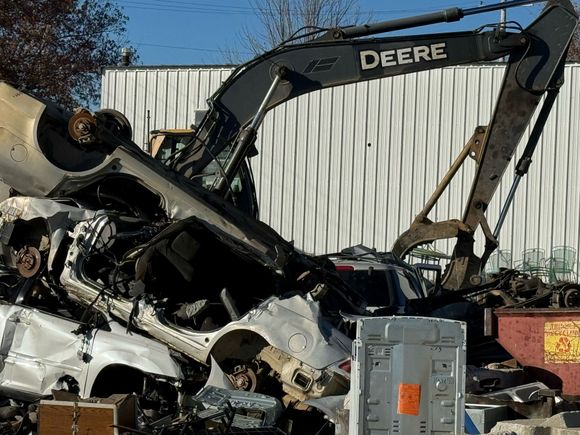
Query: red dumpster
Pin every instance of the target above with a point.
(547, 342)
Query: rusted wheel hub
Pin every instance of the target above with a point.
(82, 126)
(244, 379)
(28, 261)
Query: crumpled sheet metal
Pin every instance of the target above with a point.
(57, 215)
(217, 377)
(119, 346)
(26, 168)
(23, 165)
(37, 350)
(336, 409)
(218, 397)
(28, 208)
(292, 325)
(271, 320)
(520, 393)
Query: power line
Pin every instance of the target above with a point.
(176, 47)
(205, 8)
(194, 3)
(129, 4)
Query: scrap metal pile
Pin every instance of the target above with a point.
(115, 285)
(129, 278)
(120, 274)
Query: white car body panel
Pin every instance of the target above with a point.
(39, 348)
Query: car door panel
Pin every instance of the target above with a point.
(42, 349)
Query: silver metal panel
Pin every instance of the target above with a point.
(354, 164)
(408, 376)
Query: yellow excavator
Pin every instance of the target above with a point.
(163, 143)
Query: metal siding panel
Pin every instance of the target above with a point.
(549, 160)
(140, 133)
(371, 147)
(290, 158)
(387, 155)
(120, 90)
(193, 92)
(420, 144)
(300, 164)
(395, 144)
(161, 100)
(171, 102)
(131, 95)
(559, 207)
(324, 179)
(444, 210)
(572, 86)
(345, 135)
(312, 212)
(359, 160)
(432, 151)
(106, 92)
(275, 141)
(407, 146)
(335, 170)
(265, 175)
(171, 95)
(204, 89)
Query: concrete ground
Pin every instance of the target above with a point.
(565, 423)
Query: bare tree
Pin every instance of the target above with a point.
(55, 49)
(281, 19)
(574, 52)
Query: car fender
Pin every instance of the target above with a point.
(292, 325)
(134, 351)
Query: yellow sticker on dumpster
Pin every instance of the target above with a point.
(562, 342)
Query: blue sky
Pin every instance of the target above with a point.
(187, 32)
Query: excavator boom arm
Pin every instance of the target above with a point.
(535, 66)
(323, 64)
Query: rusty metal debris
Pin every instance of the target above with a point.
(28, 261)
(82, 126)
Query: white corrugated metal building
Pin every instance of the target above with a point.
(354, 164)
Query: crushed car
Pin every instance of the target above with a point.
(105, 235)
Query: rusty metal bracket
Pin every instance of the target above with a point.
(475, 142)
(472, 149)
(465, 268)
(422, 229)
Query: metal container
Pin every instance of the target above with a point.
(408, 376)
(547, 342)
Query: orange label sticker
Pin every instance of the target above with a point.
(409, 399)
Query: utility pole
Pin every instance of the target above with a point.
(502, 15)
